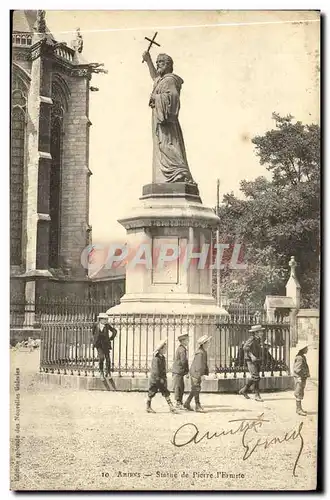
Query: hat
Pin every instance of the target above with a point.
(103, 316)
(183, 336)
(160, 345)
(202, 340)
(303, 348)
(256, 328)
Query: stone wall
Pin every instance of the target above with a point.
(308, 323)
(75, 178)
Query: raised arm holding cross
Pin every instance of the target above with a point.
(146, 56)
(169, 156)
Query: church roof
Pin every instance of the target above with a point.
(24, 21)
(24, 25)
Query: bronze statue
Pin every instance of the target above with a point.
(169, 156)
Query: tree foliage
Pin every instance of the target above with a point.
(279, 217)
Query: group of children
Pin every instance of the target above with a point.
(180, 369)
(199, 368)
(104, 334)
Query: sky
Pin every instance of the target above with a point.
(238, 67)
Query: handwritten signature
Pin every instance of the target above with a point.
(244, 427)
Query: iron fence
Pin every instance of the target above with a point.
(30, 315)
(66, 339)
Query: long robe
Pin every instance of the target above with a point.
(169, 159)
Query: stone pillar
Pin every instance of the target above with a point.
(36, 202)
(293, 286)
(293, 291)
(30, 309)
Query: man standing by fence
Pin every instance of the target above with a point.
(180, 369)
(102, 342)
(252, 355)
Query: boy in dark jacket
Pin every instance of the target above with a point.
(300, 373)
(102, 341)
(198, 369)
(180, 368)
(158, 377)
(252, 356)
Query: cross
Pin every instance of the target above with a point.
(152, 42)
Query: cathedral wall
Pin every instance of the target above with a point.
(17, 291)
(107, 291)
(22, 60)
(75, 177)
(53, 291)
(36, 220)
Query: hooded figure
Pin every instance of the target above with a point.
(170, 162)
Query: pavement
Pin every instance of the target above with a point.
(64, 439)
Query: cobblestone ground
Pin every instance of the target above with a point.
(85, 440)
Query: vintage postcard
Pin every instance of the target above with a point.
(164, 250)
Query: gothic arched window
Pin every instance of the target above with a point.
(56, 147)
(18, 135)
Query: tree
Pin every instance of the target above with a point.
(280, 217)
(291, 151)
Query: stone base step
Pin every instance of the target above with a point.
(140, 384)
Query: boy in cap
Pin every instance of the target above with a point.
(158, 377)
(180, 368)
(252, 355)
(198, 369)
(300, 373)
(102, 342)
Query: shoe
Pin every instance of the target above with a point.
(173, 410)
(179, 406)
(199, 409)
(299, 409)
(258, 398)
(149, 409)
(187, 406)
(243, 393)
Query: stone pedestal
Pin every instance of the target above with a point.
(169, 219)
(174, 297)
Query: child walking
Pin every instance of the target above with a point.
(158, 377)
(198, 369)
(301, 374)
